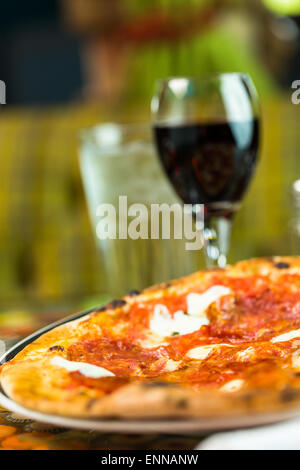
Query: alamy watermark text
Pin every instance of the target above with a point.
(154, 221)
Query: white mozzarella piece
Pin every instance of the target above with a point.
(202, 352)
(163, 324)
(246, 354)
(232, 386)
(89, 370)
(198, 303)
(171, 365)
(296, 360)
(152, 341)
(286, 336)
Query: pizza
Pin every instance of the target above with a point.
(216, 342)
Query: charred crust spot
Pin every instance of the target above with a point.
(157, 384)
(297, 374)
(247, 398)
(57, 348)
(101, 309)
(282, 265)
(91, 403)
(133, 293)
(182, 403)
(289, 394)
(113, 304)
(117, 303)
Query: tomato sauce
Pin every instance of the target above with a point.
(257, 310)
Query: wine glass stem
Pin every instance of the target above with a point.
(217, 234)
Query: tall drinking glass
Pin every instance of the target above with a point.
(120, 160)
(207, 136)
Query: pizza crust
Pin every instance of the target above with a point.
(29, 386)
(33, 382)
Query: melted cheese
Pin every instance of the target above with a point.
(88, 370)
(286, 336)
(198, 303)
(232, 386)
(296, 360)
(163, 324)
(245, 355)
(202, 352)
(152, 341)
(171, 366)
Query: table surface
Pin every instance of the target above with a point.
(19, 433)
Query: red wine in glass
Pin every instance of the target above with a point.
(209, 160)
(211, 163)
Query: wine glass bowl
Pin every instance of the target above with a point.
(207, 137)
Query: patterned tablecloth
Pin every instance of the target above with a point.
(19, 433)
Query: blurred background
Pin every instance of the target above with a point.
(69, 64)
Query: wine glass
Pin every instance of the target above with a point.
(207, 136)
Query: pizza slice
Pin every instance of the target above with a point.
(215, 342)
